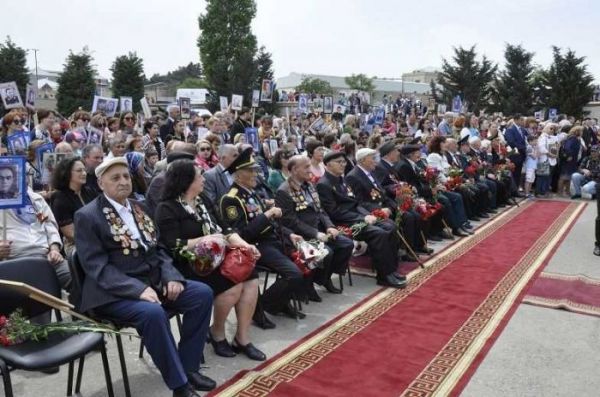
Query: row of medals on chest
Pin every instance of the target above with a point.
(121, 233)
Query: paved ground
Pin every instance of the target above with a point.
(542, 352)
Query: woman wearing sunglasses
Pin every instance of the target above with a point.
(11, 123)
(128, 120)
(206, 157)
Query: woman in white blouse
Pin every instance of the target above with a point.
(547, 146)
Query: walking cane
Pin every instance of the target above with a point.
(410, 250)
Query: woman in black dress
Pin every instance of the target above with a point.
(181, 215)
(70, 194)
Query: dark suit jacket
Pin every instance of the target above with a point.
(408, 175)
(167, 129)
(216, 184)
(305, 220)
(111, 275)
(516, 139)
(454, 160)
(369, 195)
(339, 201)
(387, 176)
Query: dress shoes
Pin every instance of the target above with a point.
(434, 238)
(493, 211)
(467, 225)
(424, 250)
(222, 347)
(475, 218)
(465, 230)
(290, 312)
(249, 350)
(391, 281)
(484, 215)
(459, 233)
(185, 391)
(332, 289)
(312, 294)
(200, 382)
(262, 321)
(445, 235)
(400, 277)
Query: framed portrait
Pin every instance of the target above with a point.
(441, 108)
(49, 162)
(146, 107)
(457, 104)
(303, 103)
(337, 108)
(18, 143)
(185, 108)
(328, 104)
(266, 91)
(273, 146)
(255, 98)
(252, 138)
(125, 104)
(13, 185)
(552, 113)
(318, 105)
(223, 102)
(236, 102)
(317, 125)
(379, 115)
(30, 96)
(94, 136)
(39, 154)
(10, 95)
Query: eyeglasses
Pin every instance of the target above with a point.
(17, 122)
(205, 149)
(340, 162)
(128, 118)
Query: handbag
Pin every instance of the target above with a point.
(238, 264)
(543, 168)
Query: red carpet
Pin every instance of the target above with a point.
(577, 294)
(429, 338)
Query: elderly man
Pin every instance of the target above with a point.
(445, 127)
(130, 279)
(246, 213)
(217, 181)
(303, 214)
(168, 128)
(92, 156)
(342, 206)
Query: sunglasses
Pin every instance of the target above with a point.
(205, 149)
(128, 118)
(17, 122)
(84, 119)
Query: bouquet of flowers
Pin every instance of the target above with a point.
(431, 176)
(472, 169)
(352, 231)
(425, 209)
(380, 214)
(309, 255)
(206, 255)
(16, 329)
(454, 179)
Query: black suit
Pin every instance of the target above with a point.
(243, 211)
(387, 176)
(407, 174)
(239, 127)
(167, 129)
(343, 208)
(302, 213)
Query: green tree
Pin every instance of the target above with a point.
(264, 70)
(13, 67)
(514, 85)
(569, 84)
(192, 82)
(191, 70)
(317, 86)
(360, 82)
(76, 84)
(469, 78)
(227, 47)
(128, 78)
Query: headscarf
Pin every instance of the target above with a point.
(134, 159)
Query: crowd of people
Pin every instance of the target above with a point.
(129, 202)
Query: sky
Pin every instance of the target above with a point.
(383, 38)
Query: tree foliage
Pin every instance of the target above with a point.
(13, 67)
(227, 47)
(360, 82)
(468, 78)
(514, 85)
(191, 70)
(128, 78)
(567, 83)
(76, 84)
(317, 86)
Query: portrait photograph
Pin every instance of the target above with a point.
(236, 102)
(111, 106)
(13, 186)
(318, 105)
(126, 104)
(30, 97)
(10, 95)
(99, 104)
(184, 108)
(339, 109)
(252, 138)
(39, 154)
(94, 136)
(223, 102)
(146, 107)
(266, 91)
(18, 142)
(255, 98)
(303, 103)
(328, 104)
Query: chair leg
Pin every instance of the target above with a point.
(341, 278)
(79, 375)
(123, 365)
(109, 387)
(8, 392)
(141, 353)
(350, 277)
(70, 379)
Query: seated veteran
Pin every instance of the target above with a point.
(182, 218)
(303, 214)
(340, 203)
(247, 214)
(369, 192)
(131, 280)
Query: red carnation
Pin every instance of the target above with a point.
(379, 213)
(3, 321)
(215, 248)
(4, 340)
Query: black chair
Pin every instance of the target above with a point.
(78, 275)
(59, 348)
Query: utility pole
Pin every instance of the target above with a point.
(35, 50)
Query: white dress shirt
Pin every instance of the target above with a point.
(126, 214)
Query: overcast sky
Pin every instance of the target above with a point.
(338, 37)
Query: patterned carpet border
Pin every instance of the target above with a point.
(313, 348)
(443, 373)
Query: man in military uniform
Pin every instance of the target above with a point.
(343, 208)
(303, 214)
(245, 212)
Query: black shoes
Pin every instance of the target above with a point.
(222, 347)
(331, 288)
(445, 235)
(424, 250)
(249, 350)
(465, 230)
(467, 225)
(391, 281)
(484, 215)
(434, 238)
(290, 312)
(200, 382)
(459, 233)
(597, 250)
(475, 218)
(185, 391)
(312, 294)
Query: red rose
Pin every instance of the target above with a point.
(3, 321)
(4, 340)
(215, 248)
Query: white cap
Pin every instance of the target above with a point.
(364, 152)
(106, 164)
